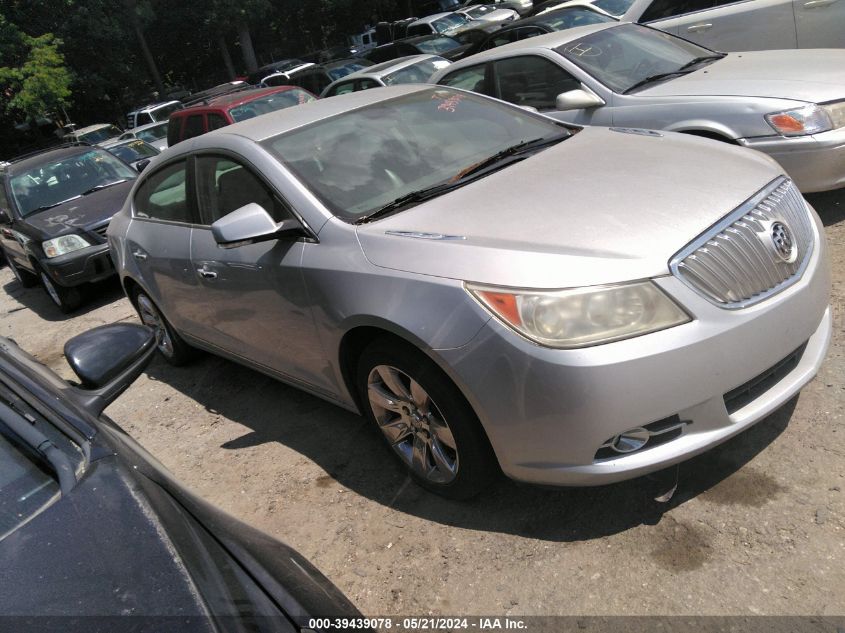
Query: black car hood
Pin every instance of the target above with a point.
(79, 213)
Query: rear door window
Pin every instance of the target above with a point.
(216, 121)
(661, 9)
(532, 81)
(194, 126)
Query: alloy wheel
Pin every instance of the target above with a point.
(151, 317)
(413, 424)
(50, 288)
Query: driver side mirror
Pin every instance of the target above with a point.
(4, 217)
(252, 224)
(578, 99)
(141, 165)
(108, 359)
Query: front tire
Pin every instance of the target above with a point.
(425, 420)
(172, 346)
(24, 277)
(65, 299)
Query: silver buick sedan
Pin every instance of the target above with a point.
(491, 288)
(789, 104)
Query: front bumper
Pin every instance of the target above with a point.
(815, 163)
(83, 266)
(548, 412)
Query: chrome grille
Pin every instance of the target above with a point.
(743, 260)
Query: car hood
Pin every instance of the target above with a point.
(83, 212)
(603, 206)
(813, 75)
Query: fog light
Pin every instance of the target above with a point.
(630, 441)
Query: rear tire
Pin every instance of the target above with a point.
(24, 277)
(425, 420)
(65, 299)
(172, 346)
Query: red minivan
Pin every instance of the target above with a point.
(231, 108)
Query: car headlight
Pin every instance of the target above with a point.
(581, 317)
(810, 119)
(64, 244)
(836, 112)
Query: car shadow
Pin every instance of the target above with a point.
(830, 205)
(354, 456)
(94, 296)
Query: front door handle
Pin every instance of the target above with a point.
(141, 255)
(815, 4)
(205, 273)
(699, 27)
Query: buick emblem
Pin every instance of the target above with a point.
(784, 242)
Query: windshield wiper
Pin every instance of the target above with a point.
(464, 177)
(50, 206)
(683, 70)
(703, 58)
(103, 186)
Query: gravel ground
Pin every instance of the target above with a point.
(755, 527)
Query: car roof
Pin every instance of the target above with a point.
(275, 123)
(153, 106)
(91, 128)
(47, 156)
(385, 68)
(147, 126)
(225, 102)
(547, 40)
(431, 18)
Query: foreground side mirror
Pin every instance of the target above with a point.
(141, 165)
(4, 217)
(252, 224)
(108, 359)
(578, 100)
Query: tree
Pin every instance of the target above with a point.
(33, 74)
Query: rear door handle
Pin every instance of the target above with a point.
(140, 255)
(205, 273)
(699, 27)
(815, 4)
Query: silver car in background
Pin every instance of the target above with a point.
(153, 133)
(789, 104)
(739, 25)
(413, 69)
(490, 287)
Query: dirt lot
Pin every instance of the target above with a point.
(756, 526)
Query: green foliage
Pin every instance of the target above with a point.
(33, 75)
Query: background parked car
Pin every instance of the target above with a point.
(438, 24)
(134, 152)
(254, 78)
(55, 207)
(317, 77)
(737, 25)
(117, 535)
(558, 20)
(446, 47)
(239, 106)
(488, 13)
(93, 134)
(153, 113)
(523, 7)
(788, 104)
(467, 211)
(154, 134)
(415, 69)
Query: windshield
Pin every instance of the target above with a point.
(98, 136)
(623, 56)
(570, 18)
(161, 113)
(614, 7)
(341, 71)
(56, 182)
(417, 73)
(360, 160)
(136, 150)
(152, 134)
(447, 22)
(437, 45)
(271, 103)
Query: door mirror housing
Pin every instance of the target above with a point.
(252, 224)
(578, 99)
(108, 359)
(4, 217)
(141, 165)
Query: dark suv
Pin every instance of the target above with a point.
(55, 207)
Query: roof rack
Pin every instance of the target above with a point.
(20, 157)
(204, 99)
